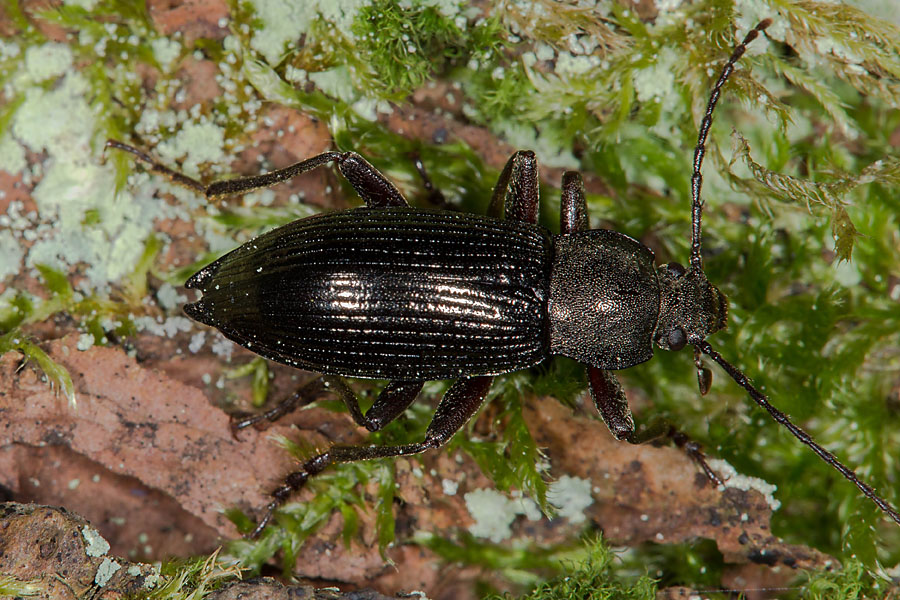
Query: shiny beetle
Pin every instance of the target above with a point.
(392, 292)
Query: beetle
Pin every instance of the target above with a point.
(386, 291)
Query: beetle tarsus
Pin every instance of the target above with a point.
(435, 196)
(304, 394)
(156, 167)
(695, 451)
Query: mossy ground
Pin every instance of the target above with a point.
(801, 220)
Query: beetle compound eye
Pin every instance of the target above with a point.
(676, 269)
(677, 339)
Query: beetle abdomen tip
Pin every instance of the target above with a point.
(199, 311)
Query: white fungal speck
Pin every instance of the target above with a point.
(494, 513)
(197, 341)
(571, 496)
(168, 297)
(449, 486)
(85, 341)
(732, 479)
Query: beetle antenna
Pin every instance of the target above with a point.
(700, 149)
(798, 433)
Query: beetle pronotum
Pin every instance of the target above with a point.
(391, 292)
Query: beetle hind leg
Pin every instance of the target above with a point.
(461, 401)
(304, 394)
(371, 185)
(157, 167)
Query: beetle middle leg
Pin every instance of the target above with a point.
(461, 401)
(390, 404)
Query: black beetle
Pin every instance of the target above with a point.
(391, 292)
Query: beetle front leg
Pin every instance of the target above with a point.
(516, 194)
(611, 403)
(461, 401)
(573, 214)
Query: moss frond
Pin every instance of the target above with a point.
(405, 46)
(14, 588)
(593, 577)
(192, 579)
(826, 194)
(57, 375)
(513, 462)
(851, 582)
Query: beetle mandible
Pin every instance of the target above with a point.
(409, 295)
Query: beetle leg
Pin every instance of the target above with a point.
(373, 187)
(390, 404)
(610, 400)
(155, 167)
(435, 196)
(573, 215)
(517, 191)
(457, 406)
(305, 393)
(611, 403)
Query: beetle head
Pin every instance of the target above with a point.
(691, 307)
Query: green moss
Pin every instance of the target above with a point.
(14, 588)
(513, 460)
(335, 490)
(852, 582)
(258, 370)
(407, 46)
(190, 579)
(593, 577)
